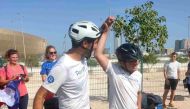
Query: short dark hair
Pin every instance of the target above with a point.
(76, 44)
(174, 53)
(47, 51)
(10, 52)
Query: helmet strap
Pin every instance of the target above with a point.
(88, 52)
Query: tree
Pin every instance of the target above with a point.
(142, 26)
(33, 61)
(92, 62)
(2, 62)
(150, 61)
(182, 59)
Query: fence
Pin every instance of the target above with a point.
(153, 82)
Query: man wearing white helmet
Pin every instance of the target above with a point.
(69, 77)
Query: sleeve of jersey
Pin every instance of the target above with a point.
(55, 79)
(43, 69)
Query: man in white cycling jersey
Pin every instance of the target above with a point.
(68, 79)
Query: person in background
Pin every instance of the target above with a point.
(187, 74)
(124, 79)
(69, 77)
(51, 100)
(50, 61)
(172, 76)
(14, 71)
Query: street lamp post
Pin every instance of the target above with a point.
(24, 48)
(64, 44)
(23, 39)
(14, 40)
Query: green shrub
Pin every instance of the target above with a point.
(32, 61)
(92, 62)
(2, 62)
(182, 59)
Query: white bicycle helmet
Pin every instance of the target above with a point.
(83, 29)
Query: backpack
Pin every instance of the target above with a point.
(150, 101)
(153, 99)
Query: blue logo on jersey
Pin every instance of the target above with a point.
(50, 79)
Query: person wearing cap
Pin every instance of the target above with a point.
(124, 79)
(187, 74)
(68, 79)
(171, 76)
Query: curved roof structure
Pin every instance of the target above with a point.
(25, 43)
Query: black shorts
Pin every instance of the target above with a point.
(172, 84)
(51, 103)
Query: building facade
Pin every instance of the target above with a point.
(182, 45)
(26, 44)
(168, 51)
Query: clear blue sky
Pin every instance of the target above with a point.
(50, 19)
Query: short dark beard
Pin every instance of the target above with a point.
(87, 54)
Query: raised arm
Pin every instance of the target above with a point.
(101, 58)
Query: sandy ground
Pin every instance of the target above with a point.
(98, 104)
(152, 83)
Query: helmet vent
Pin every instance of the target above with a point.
(84, 22)
(83, 26)
(75, 31)
(94, 29)
(124, 49)
(84, 29)
(98, 34)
